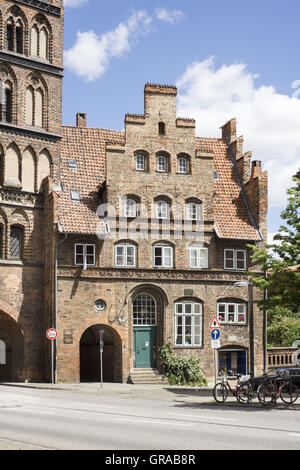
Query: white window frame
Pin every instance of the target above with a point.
(193, 211)
(231, 312)
(234, 259)
(183, 168)
(198, 257)
(130, 207)
(196, 321)
(85, 255)
(125, 255)
(149, 303)
(162, 163)
(140, 160)
(167, 256)
(162, 213)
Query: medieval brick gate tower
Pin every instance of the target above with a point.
(31, 58)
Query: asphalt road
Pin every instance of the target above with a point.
(69, 420)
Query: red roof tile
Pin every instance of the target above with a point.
(87, 147)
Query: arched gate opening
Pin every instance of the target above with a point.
(90, 355)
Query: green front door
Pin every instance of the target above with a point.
(144, 346)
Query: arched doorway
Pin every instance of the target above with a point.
(90, 355)
(12, 350)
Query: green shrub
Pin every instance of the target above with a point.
(181, 369)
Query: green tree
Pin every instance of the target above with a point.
(280, 262)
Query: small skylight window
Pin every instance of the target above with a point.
(73, 164)
(216, 175)
(75, 196)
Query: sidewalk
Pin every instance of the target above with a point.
(138, 390)
(193, 396)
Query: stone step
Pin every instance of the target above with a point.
(147, 376)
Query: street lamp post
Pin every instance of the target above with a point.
(249, 284)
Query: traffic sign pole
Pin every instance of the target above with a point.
(215, 343)
(52, 335)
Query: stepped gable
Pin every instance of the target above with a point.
(232, 218)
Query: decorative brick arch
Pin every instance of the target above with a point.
(36, 82)
(16, 13)
(40, 21)
(7, 74)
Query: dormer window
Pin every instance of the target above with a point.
(161, 128)
(75, 196)
(73, 164)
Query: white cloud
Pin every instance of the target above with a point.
(91, 54)
(269, 121)
(169, 16)
(74, 3)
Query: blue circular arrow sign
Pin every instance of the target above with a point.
(215, 334)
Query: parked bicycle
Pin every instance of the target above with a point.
(279, 386)
(243, 390)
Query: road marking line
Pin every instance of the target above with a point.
(203, 417)
(294, 435)
(89, 404)
(153, 422)
(45, 412)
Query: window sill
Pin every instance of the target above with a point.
(188, 347)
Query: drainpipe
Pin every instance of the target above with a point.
(55, 291)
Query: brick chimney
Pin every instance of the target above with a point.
(256, 169)
(81, 120)
(229, 130)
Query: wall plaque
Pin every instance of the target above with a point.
(68, 336)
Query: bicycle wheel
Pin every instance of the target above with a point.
(288, 393)
(220, 392)
(244, 393)
(266, 394)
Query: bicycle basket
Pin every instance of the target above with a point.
(245, 378)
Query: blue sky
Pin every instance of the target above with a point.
(238, 58)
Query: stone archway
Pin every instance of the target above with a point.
(90, 355)
(12, 350)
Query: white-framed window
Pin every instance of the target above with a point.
(144, 310)
(162, 210)
(198, 257)
(125, 255)
(188, 324)
(193, 211)
(232, 312)
(130, 208)
(163, 256)
(85, 254)
(162, 163)
(235, 259)
(140, 162)
(183, 165)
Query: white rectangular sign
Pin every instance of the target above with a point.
(215, 344)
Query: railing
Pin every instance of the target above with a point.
(278, 357)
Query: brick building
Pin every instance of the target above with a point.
(141, 234)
